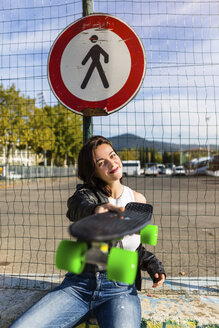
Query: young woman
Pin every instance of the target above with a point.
(115, 305)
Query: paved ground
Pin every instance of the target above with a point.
(186, 210)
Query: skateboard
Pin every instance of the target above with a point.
(93, 237)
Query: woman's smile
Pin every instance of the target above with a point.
(114, 170)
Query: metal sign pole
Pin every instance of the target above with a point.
(87, 120)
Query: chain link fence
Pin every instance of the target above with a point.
(173, 120)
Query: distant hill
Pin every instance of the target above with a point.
(128, 141)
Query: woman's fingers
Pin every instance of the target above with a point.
(108, 207)
(159, 280)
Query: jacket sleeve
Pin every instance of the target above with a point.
(150, 263)
(81, 204)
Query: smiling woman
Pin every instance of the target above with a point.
(100, 168)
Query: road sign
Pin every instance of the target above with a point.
(96, 65)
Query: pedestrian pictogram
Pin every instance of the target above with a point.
(96, 65)
(94, 54)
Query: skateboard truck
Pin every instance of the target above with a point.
(98, 256)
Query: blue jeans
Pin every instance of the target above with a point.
(115, 305)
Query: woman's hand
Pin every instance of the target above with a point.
(108, 207)
(160, 278)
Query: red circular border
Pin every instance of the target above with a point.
(133, 83)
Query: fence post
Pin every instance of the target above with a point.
(87, 120)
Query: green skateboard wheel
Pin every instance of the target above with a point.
(149, 235)
(70, 256)
(122, 265)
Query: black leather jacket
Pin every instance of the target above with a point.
(83, 203)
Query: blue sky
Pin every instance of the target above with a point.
(179, 98)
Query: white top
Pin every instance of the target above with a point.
(130, 242)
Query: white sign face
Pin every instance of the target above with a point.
(95, 65)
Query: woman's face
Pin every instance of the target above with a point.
(108, 164)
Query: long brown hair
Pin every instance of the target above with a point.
(86, 164)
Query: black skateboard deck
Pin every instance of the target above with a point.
(105, 227)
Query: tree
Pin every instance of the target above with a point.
(167, 158)
(42, 134)
(129, 154)
(176, 157)
(67, 136)
(152, 151)
(14, 112)
(146, 155)
(143, 155)
(50, 131)
(158, 157)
